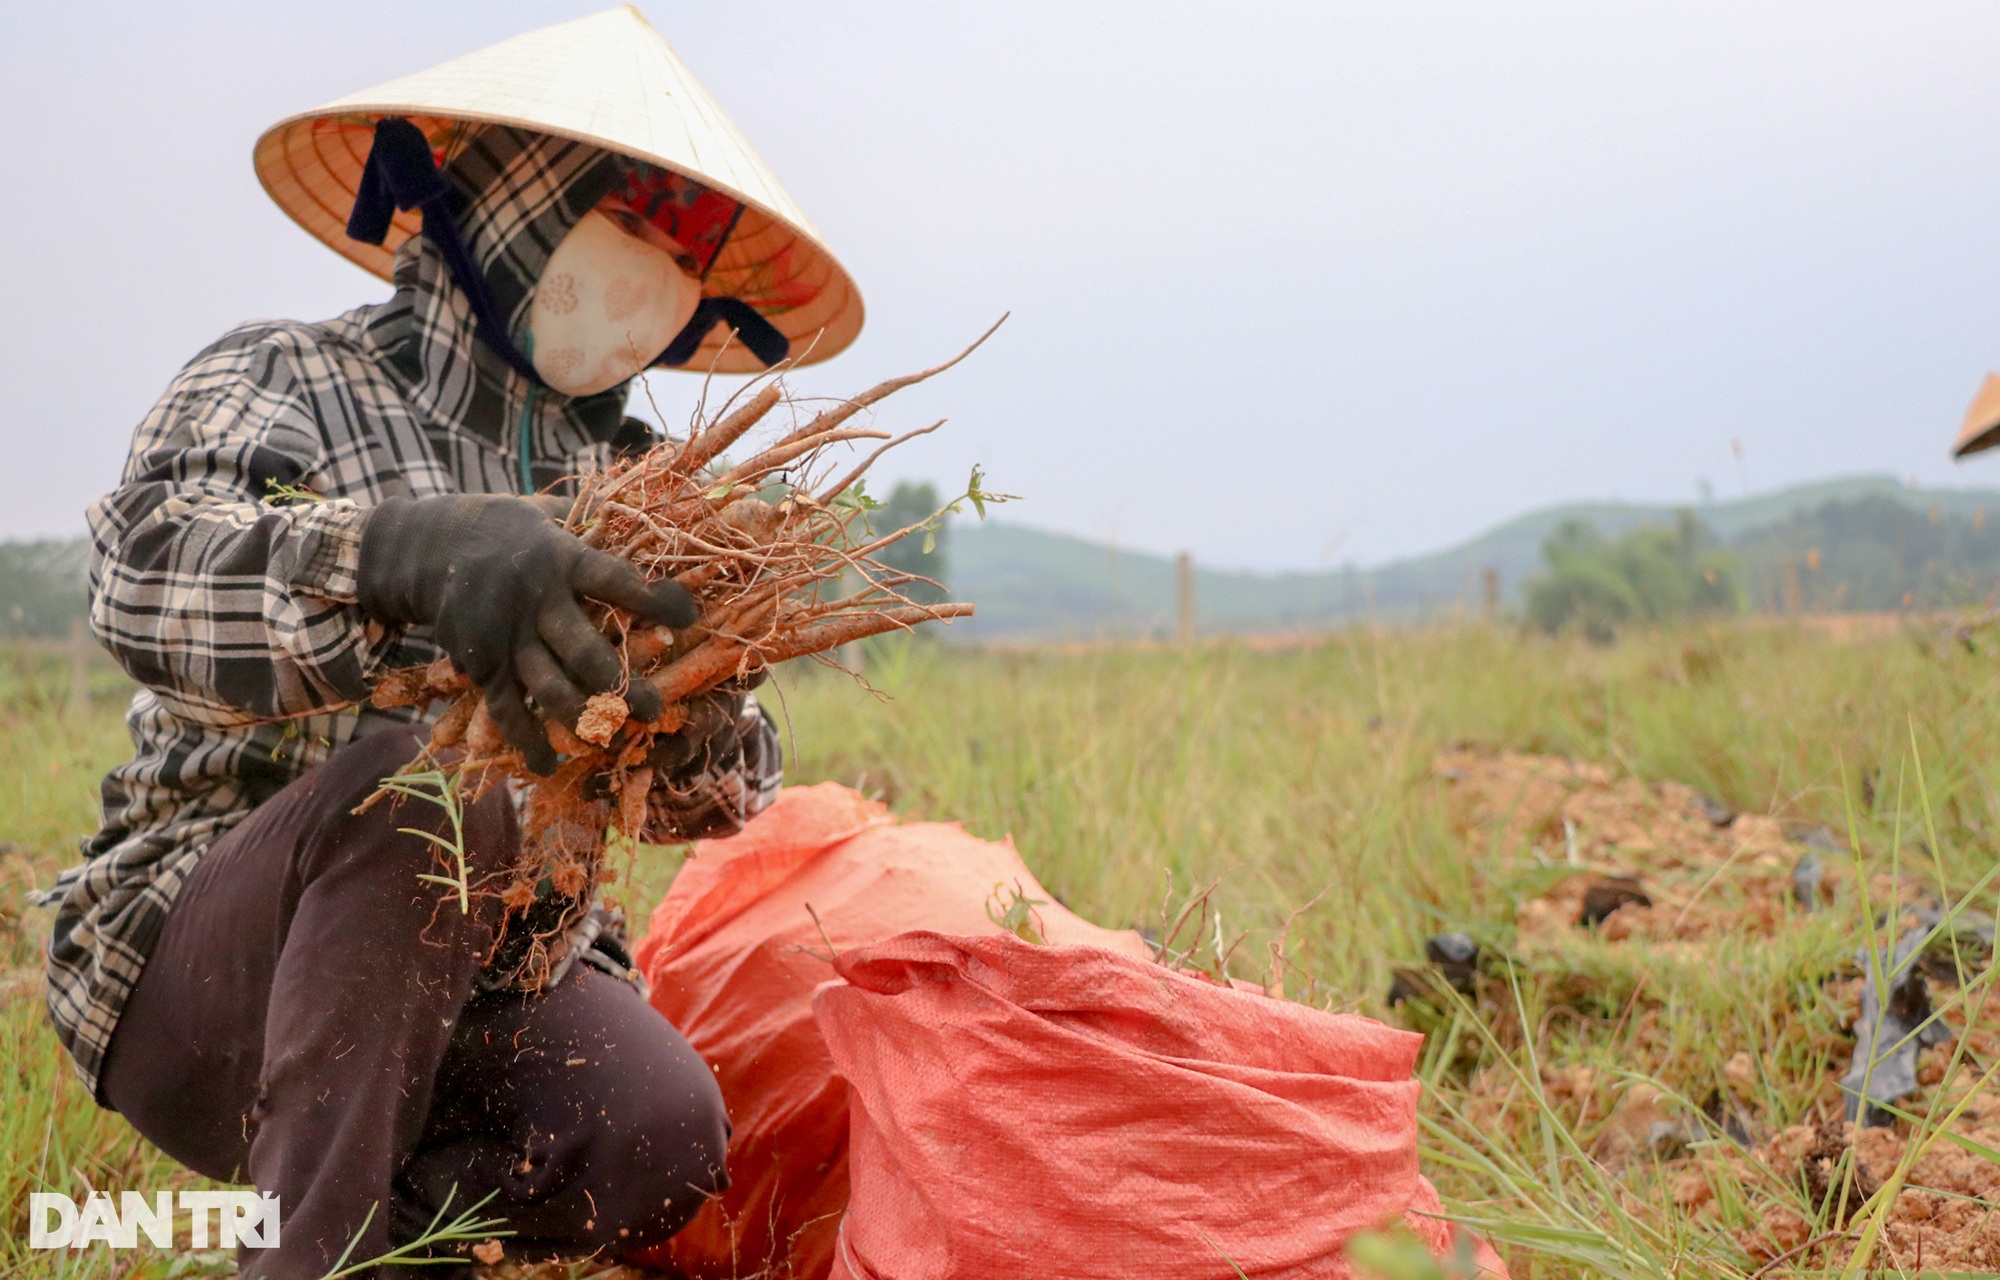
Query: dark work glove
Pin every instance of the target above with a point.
(501, 584)
(720, 769)
(711, 739)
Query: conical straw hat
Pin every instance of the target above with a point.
(610, 80)
(1981, 429)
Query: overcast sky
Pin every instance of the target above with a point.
(1291, 284)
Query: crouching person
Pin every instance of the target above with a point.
(249, 963)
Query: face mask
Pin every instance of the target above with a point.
(607, 305)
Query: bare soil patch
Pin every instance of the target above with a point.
(1626, 862)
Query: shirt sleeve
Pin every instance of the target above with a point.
(217, 577)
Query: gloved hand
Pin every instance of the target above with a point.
(709, 741)
(501, 584)
(720, 769)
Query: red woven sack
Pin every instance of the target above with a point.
(1018, 1110)
(733, 953)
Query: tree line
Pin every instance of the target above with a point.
(1855, 554)
(1850, 555)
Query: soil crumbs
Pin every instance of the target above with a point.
(1612, 861)
(1701, 867)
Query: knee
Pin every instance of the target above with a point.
(671, 1150)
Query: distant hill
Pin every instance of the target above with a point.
(1030, 583)
(1873, 533)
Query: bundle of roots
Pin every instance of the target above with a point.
(779, 554)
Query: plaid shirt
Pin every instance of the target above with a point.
(223, 566)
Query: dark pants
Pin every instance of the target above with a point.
(308, 1019)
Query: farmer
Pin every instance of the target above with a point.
(247, 964)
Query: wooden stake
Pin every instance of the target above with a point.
(1184, 596)
(79, 666)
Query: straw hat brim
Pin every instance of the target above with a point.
(1981, 429)
(608, 81)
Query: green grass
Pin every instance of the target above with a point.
(1129, 778)
(52, 1137)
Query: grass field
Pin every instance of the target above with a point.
(1641, 1099)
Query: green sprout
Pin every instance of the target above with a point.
(466, 1228)
(277, 493)
(1018, 916)
(440, 788)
